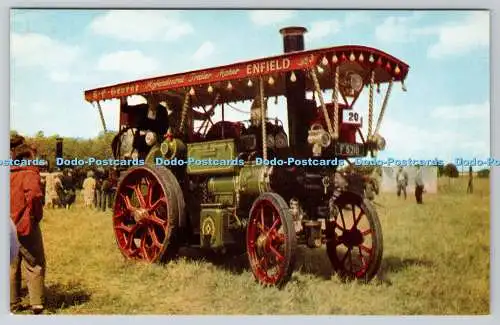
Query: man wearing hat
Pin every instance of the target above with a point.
(89, 189)
(26, 213)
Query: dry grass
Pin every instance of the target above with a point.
(436, 261)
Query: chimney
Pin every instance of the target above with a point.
(59, 148)
(293, 40)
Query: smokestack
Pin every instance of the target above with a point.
(293, 40)
(59, 148)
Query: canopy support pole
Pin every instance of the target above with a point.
(336, 102)
(99, 108)
(263, 117)
(317, 89)
(185, 108)
(370, 105)
(384, 105)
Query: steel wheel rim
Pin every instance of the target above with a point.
(358, 240)
(140, 216)
(266, 243)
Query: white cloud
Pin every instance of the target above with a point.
(354, 18)
(134, 62)
(205, 50)
(142, 25)
(405, 140)
(397, 29)
(270, 17)
(320, 29)
(460, 38)
(31, 50)
(444, 140)
(456, 38)
(65, 76)
(59, 76)
(469, 111)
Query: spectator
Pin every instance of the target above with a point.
(106, 192)
(89, 190)
(52, 188)
(402, 181)
(369, 188)
(470, 187)
(26, 214)
(98, 192)
(113, 179)
(69, 192)
(59, 189)
(419, 185)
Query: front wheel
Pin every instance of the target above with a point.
(354, 238)
(148, 205)
(271, 240)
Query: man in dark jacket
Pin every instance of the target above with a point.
(68, 188)
(26, 212)
(98, 187)
(401, 182)
(105, 192)
(419, 185)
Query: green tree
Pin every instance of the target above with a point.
(450, 170)
(483, 173)
(440, 170)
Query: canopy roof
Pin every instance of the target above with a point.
(239, 81)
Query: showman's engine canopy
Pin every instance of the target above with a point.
(202, 184)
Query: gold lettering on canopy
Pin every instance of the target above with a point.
(228, 72)
(268, 66)
(153, 85)
(200, 77)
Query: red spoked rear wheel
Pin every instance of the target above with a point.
(354, 238)
(271, 240)
(146, 214)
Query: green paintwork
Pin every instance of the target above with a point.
(174, 148)
(251, 180)
(154, 153)
(211, 150)
(223, 189)
(213, 227)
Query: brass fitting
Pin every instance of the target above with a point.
(319, 139)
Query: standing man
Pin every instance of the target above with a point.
(369, 188)
(105, 191)
(98, 186)
(52, 190)
(372, 184)
(69, 189)
(89, 190)
(26, 212)
(419, 185)
(113, 180)
(49, 190)
(470, 187)
(402, 181)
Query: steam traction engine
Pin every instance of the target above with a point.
(267, 210)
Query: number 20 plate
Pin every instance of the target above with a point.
(352, 117)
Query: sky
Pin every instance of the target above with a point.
(58, 54)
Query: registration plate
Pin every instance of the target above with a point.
(349, 149)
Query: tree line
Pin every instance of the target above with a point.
(98, 147)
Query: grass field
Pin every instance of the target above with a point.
(436, 261)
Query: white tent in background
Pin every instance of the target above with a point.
(429, 173)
